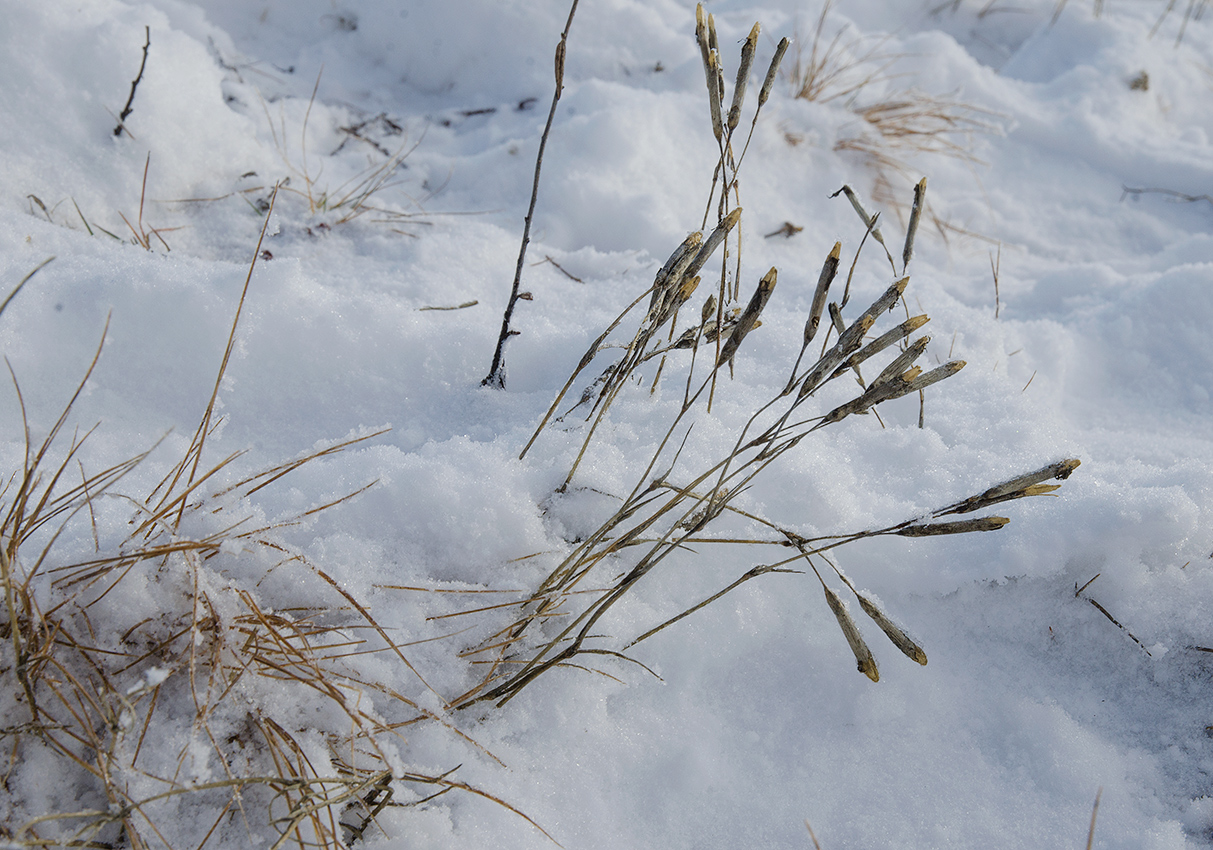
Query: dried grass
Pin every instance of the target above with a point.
(897, 128)
(359, 196)
(141, 768)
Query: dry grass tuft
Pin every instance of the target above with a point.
(836, 68)
(359, 196)
(898, 127)
(151, 679)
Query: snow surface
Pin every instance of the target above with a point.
(1032, 701)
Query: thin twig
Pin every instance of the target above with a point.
(129, 108)
(496, 375)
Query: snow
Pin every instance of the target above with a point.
(1034, 699)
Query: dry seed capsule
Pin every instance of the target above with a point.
(701, 34)
(715, 92)
(899, 363)
(936, 375)
(857, 204)
(836, 317)
(899, 638)
(1060, 470)
(829, 270)
(672, 270)
(743, 76)
(748, 319)
(1022, 485)
(846, 345)
(863, 656)
(884, 341)
(920, 194)
(963, 526)
(713, 241)
(772, 71)
(888, 299)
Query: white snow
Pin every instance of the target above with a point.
(1033, 699)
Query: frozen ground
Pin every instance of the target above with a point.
(1033, 699)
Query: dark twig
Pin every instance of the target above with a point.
(496, 375)
(128, 109)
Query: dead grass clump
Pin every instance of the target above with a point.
(895, 128)
(838, 68)
(160, 699)
(361, 195)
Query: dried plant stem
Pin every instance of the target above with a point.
(4, 304)
(129, 107)
(497, 374)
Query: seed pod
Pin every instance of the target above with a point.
(685, 291)
(829, 270)
(899, 638)
(715, 93)
(857, 204)
(899, 363)
(863, 656)
(920, 194)
(846, 345)
(772, 71)
(708, 311)
(836, 318)
(850, 339)
(884, 341)
(743, 76)
(749, 317)
(674, 267)
(963, 526)
(936, 375)
(701, 34)
(1016, 488)
(886, 301)
(713, 241)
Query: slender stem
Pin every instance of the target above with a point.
(496, 375)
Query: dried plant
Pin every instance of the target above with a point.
(359, 195)
(838, 68)
(202, 699)
(670, 510)
(667, 514)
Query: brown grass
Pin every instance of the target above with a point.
(68, 659)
